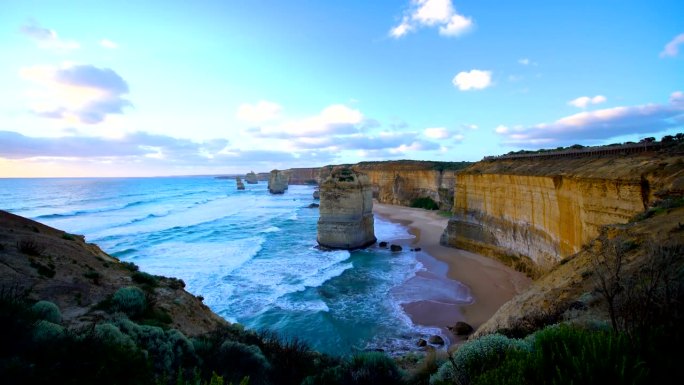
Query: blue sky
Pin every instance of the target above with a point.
(142, 88)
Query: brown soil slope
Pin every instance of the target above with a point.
(77, 276)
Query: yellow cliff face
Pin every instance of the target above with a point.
(548, 209)
(400, 183)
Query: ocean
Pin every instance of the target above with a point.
(250, 254)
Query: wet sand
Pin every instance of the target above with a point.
(490, 282)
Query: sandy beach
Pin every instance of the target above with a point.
(490, 282)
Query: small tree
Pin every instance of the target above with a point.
(608, 264)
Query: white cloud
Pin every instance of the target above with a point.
(262, 111)
(47, 38)
(437, 133)
(334, 119)
(78, 93)
(584, 101)
(473, 80)
(672, 48)
(431, 13)
(106, 43)
(600, 124)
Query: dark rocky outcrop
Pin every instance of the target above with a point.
(238, 182)
(395, 248)
(461, 328)
(346, 211)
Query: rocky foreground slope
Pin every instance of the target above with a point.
(49, 264)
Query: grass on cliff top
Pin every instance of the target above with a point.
(431, 165)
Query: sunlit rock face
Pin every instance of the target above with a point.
(251, 178)
(346, 210)
(548, 209)
(277, 182)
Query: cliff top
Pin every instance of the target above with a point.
(617, 165)
(412, 165)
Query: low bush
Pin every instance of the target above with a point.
(30, 247)
(145, 279)
(130, 300)
(362, 369)
(426, 203)
(47, 311)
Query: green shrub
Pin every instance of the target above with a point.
(362, 369)
(145, 279)
(47, 311)
(94, 275)
(68, 237)
(426, 203)
(570, 355)
(242, 360)
(47, 331)
(476, 357)
(111, 334)
(130, 300)
(130, 266)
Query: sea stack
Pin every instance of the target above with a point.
(277, 182)
(346, 211)
(240, 185)
(251, 178)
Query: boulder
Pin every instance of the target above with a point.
(313, 205)
(317, 194)
(395, 248)
(251, 178)
(346, 211)
(421, 343)
(277, 182)
(436, 340)
(461, 328)
(382, 244)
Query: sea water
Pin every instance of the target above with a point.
(250, 254)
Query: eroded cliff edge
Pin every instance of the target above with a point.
(545, 209)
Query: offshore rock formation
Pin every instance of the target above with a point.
(251, 178)
(346, 211)
(547, 209)
(238, 182)
(277, 182)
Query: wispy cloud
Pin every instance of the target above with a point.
(106, 43)
(526, 62)
(335, 119)
(262, 111)
(672, 48)
(47, 38)
(584, 101)
(472, 80)
(80, 93)
(432, 13)
(600, 124)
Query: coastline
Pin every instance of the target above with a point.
(491, 283)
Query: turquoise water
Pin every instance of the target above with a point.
(250, 254)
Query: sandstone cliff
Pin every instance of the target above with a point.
(402, 182)
(305, 176)
(547, 209)
(346, 211)
(277, 182)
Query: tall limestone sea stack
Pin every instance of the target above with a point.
(346, 211)
(277, 182)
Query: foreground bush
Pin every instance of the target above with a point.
(362, 369)
(130, 300)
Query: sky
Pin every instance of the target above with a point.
(153, 88)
